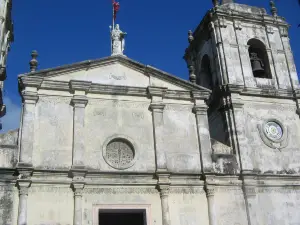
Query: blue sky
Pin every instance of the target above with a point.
(68, 31)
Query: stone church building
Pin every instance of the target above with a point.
(115, 142)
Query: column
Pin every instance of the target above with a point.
(157, 106)
(79, 103)
(210, 194)
(27, 128)
(200, 110)
(23, 195)
(78, 189)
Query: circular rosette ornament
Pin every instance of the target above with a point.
(273, 134)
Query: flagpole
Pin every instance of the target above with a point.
(113, 17)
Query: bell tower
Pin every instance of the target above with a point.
(243, 54)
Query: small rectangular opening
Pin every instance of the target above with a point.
(122, 217)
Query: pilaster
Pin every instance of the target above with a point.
(157, 107)
(23, 186)
(283, 30)
(164, 189)
(237, 122)
(200, 110)
(250, 194)
(79, 102)
(210, 195)
(78, 189)
(30, 98)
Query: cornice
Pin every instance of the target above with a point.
(90, 64)
(30, 81)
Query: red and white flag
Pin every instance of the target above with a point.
(116, 8)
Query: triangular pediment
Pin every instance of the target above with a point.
(116, 70)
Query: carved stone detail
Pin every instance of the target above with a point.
(120, 152)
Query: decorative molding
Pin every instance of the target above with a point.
(120, 191)
(51, 188)
(186, 190)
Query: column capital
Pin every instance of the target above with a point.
(79, 101)
(157, 107)
(200, 95)
(23, 186)
(200, 109)
(210, 191)
(30, 97)
(80, 85)
(250, 192)
(78, 188)
(164, 190)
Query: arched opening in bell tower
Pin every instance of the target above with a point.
(259, 59)
(205, 77)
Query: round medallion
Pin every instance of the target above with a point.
(119, 153)
(273, 130)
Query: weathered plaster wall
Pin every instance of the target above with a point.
(230, 206)
(8, 204)
(256, 154)
(280, 206)
(106, 118)
(180, 139)
(53, 136)
(188, 208)
(9, 149)
(50, 205)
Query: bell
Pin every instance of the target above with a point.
(257, 65)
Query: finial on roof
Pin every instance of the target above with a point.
(215, 2)
(226, 1)
(190, 36)
(33, 62)
(273, 8)
(117, 40)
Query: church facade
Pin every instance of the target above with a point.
(113, 141)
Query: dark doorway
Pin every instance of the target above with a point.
(122, 217)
